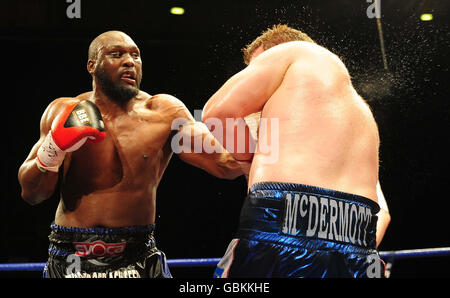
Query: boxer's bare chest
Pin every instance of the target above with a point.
(139, 136)
(134, 152)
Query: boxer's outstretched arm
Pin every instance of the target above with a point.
(196, 145)
(204, 151)
(37, 185)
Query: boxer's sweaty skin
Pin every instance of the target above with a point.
(113, 183)
(327, 134)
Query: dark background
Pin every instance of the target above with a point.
(44, 55)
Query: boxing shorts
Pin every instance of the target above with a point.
(100, 252)
(293, 230)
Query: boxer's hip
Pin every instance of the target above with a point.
(104, 252)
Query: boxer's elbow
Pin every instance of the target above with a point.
(214, 113)
(231, 175)
(222, 169)
(230, 170)
(36, 186)
(34, 197)
(33, 193)
(207, 115)
(209, 111)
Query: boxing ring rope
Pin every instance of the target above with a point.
(205, 262)
(209, 262)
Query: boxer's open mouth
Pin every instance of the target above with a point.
(129, 77)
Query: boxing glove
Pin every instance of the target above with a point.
(76, 124)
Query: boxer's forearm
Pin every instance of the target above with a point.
(228, 168)
(221, 165)
(210, 155)
(36, 185)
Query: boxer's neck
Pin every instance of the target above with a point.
(109, 107)
(99, 97)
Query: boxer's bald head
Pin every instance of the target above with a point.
(106, 38)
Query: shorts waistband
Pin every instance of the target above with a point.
(260, 187)
(295, 210)
(100, 241)
(103, 230)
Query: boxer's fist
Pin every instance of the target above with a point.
(75, 125)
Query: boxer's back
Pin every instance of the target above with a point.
(327, 135)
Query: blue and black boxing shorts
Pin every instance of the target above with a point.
(292, 230)
(99, 252)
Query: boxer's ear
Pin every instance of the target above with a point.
(91, 66)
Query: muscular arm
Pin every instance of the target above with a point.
(36, 185)
(291, 64)
(247, 91)
(196, 145)
(243, 94)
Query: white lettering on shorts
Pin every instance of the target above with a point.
(98, 249)
(325, 218)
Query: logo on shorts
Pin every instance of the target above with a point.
(326, 218)
(99, 249)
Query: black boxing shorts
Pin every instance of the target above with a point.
(99, 252)
(293, 230)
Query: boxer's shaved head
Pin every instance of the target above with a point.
(106, 38)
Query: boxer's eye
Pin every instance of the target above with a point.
(116, 54)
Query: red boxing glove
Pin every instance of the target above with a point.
(76, 124)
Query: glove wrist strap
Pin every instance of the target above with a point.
(49, 155)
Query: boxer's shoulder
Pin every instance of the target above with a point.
(64, 101)
(304, 48)
(307, 61)
(60, 103)
(167, 99)
(164, 102)
(305, 52)
(54, 108)
(85, 95)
